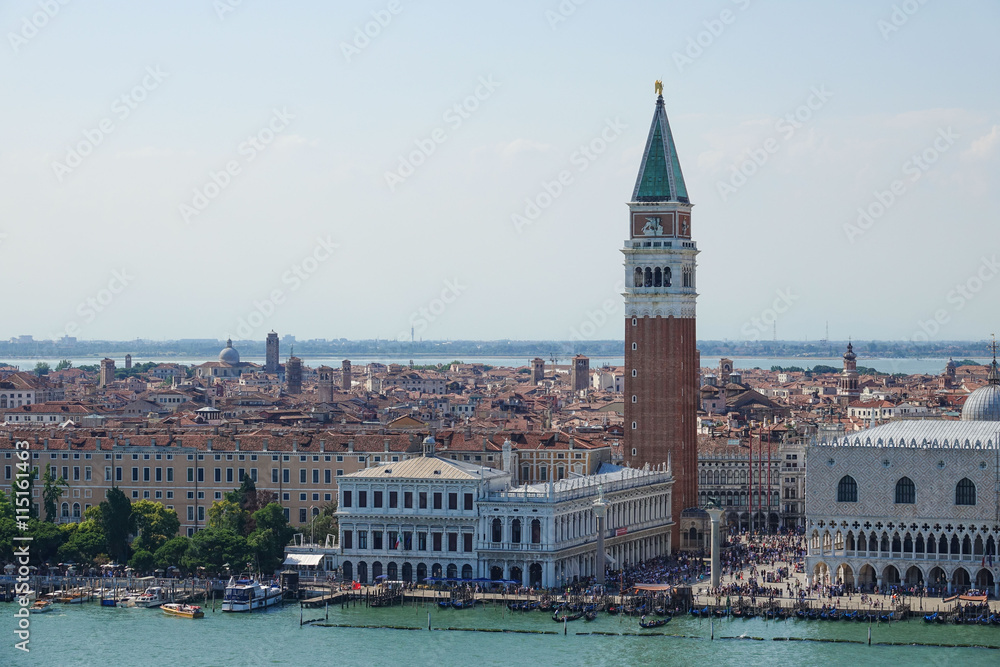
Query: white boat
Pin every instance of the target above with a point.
(153, 596)
(249, 594)
(40, 606)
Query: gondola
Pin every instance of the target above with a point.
(444, 604)
(646, 625)
(851, 616)
(590, 615)
(545, 605)
(931, 618)
(613, 609)
(660, 611)
(567, 617)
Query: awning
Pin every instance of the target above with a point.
(303, 559)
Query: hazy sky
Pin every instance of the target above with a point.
(190, 169)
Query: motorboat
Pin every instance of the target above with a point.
(183, 610)
(243, 595)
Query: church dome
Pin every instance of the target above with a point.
(849, 355)
(984, 403)
(229, 355)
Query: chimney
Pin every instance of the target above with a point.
(385, 444)
(322, 445)
(97, 443)
(265, 445)
(571, 442)
(237, 441)
(46, 443)
(208, 447)
(152, 442)
(215, 430)
(295, 444)
(350, 444)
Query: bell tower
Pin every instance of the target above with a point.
(661, 362)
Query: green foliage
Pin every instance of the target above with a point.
(89, 368)
(84, 542)
(118, 522)
(323, 524)
(46, 540)
(52, 492)
(214, 548)
(155, 525)
(267, 542)
(142, 561)
(172, 552)
(788, 369)
(226, 514)
(821, 368)
(864, 370)
(64, 364)
(967, 362)
(137, 369)
(42, 368)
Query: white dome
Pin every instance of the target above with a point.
(229, 355)
(984, 403)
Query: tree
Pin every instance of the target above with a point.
(155, 525)
(324, 523)
(118, 521)
(226, 514)
(214, 548)
(52, 492)
(267, 542)
(142, 561)
(85, 541)
(42, 368)
(64, 364)
(172, 552)
(45, 542)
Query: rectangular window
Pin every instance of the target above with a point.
(468, 502)
(362, 499)
(377, 499)
(118, 474)
(302, 475)
(393, 538)
(159, 474)
(453, 501)
(86, 474)
(393, 500)
(340, 473)
(229, 475)
(170, 474)
(65, 471)
(286, 475)
(348, 539)
(274, 475)
(107, 473)
(437, 541)
(327, 479)
(302, 515)
(201, 513)
(421, 541)
(145, 474)
(467, 542)
(135, 474)
(423, 500)
(408, 499)
(253, 474)
(347, 498)
(362, 539)
(218, 475)
(315, 475)
(377, 540)
(201, 474)
(190, 474)
(76, 473)
(452, 541)
(437, 500)
(190, 513)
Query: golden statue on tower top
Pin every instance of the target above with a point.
(658, 87)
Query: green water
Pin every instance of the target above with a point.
(92, 635)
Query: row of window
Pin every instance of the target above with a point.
(906, 491)
(378, 497)
(395, 540)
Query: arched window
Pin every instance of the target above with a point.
(649, 277)
(666, 277)
(76, 510)
(65, 510)
(3, 401)
(965, 492)
(497, 530)
(515, 531)
(536, 531)
(906, 493)
(686, 275)
(847, 490)
(657, 277)
(637, 280)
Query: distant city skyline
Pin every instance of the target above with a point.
(463, 171)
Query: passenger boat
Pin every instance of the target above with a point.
(183, 610)
(247, 594)
(153, 596)
(646, 625)
(41, 606)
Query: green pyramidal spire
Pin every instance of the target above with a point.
(660, 178)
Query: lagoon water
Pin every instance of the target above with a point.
(91, 635)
